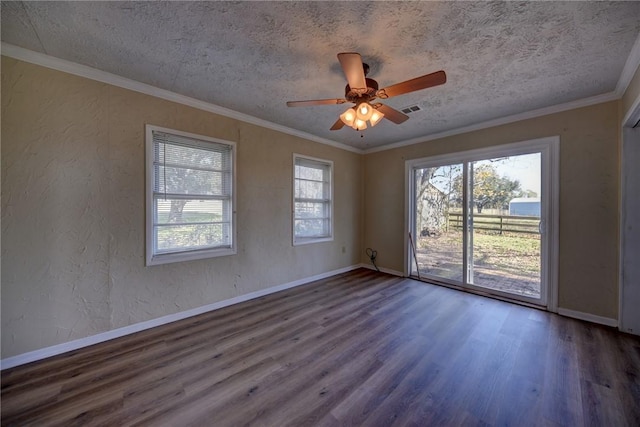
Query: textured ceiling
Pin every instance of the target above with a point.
(252, 57)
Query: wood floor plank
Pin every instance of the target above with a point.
(358, 348)
(361, 402)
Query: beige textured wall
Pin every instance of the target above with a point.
(73, 207)
(589, 170)
(73, 210)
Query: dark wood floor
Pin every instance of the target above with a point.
(361, 348)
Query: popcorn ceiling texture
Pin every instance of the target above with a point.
(501, 58)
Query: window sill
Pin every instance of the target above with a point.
(309, 240)
(169, 258)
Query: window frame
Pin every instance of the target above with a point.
(299, 240)
(154, 258)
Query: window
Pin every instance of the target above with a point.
(312, 194)
(190, 202)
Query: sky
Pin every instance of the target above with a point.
(525, 168)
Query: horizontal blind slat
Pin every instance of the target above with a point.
(180, 224)
(194, 196)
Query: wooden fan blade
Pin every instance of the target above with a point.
(315, 102)
(351, 63)
(394, 115)
(429, 80)
(337, 125)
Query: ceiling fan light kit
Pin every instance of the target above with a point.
(357, 119)
(361, 90)
(376, 116)
(364, 111)
(348, 117)
(359, 124)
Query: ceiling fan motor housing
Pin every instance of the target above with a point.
(358, 95)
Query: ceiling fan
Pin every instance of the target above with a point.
(361, 91)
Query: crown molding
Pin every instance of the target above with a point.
(69, 67)
(630, 67)
(584, 102)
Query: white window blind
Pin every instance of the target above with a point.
(312, 200)
(191, 196)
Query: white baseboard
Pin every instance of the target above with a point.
(588, 317)
(57, 349)
(383, 270)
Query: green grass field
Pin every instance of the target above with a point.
(190, 236)
(514, 256)
(163, 217)
(515, 253)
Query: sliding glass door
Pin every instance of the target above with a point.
(481, 220)
(504, 224)
(438, 231)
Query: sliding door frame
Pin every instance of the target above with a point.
(549, 147)
(628, 294)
